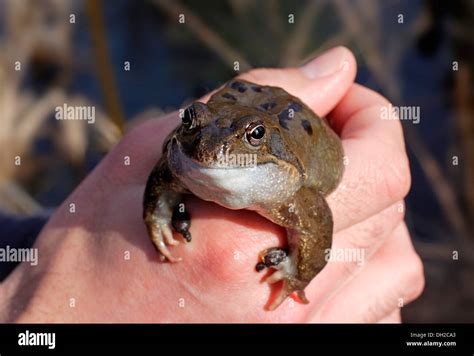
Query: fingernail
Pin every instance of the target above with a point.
(329, 62)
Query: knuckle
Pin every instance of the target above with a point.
(373, 231)
(375, 310)
(415, 277)
(397, 215)
(389, 219)
(397, 178)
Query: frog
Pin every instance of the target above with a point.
(259, 148)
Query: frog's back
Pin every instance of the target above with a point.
(307, 136)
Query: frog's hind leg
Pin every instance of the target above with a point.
(308, 222)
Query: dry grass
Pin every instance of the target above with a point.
(37, 29)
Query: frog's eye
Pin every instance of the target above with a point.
(255, 134)
(189, 117)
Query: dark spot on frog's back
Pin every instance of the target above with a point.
(229, 96)
(288, 113)
(256, 89)
(239, 86)
(294, 106)
(268, 106)
(307, 127)
(284, 117)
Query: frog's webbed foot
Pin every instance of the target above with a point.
(162, 237)
(160, 220)
(285, 270)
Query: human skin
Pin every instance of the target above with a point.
(98, 264)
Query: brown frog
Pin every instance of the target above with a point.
(259, 148)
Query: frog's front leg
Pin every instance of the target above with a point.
(308, 222)
(163, 209)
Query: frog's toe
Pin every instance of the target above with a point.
(163, 249)
(276, 277)
(289, 286)
(280, 298)
(302, 296)
(168, 235)
(160, 241)
(284, 271)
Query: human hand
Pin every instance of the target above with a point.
(98, 265)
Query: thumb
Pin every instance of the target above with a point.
(320, 83)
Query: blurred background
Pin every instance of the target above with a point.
(134, 59)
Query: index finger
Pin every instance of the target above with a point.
(377, 172)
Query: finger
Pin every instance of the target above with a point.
(394, 317)
(321, 83)
(377, 170)
(392, 279)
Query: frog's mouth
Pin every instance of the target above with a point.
(230, 186)
(224, 159)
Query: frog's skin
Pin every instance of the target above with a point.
(298, 162)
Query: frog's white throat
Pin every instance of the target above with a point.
(233, 185)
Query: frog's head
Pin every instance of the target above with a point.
(226, 148)
(223, 135)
